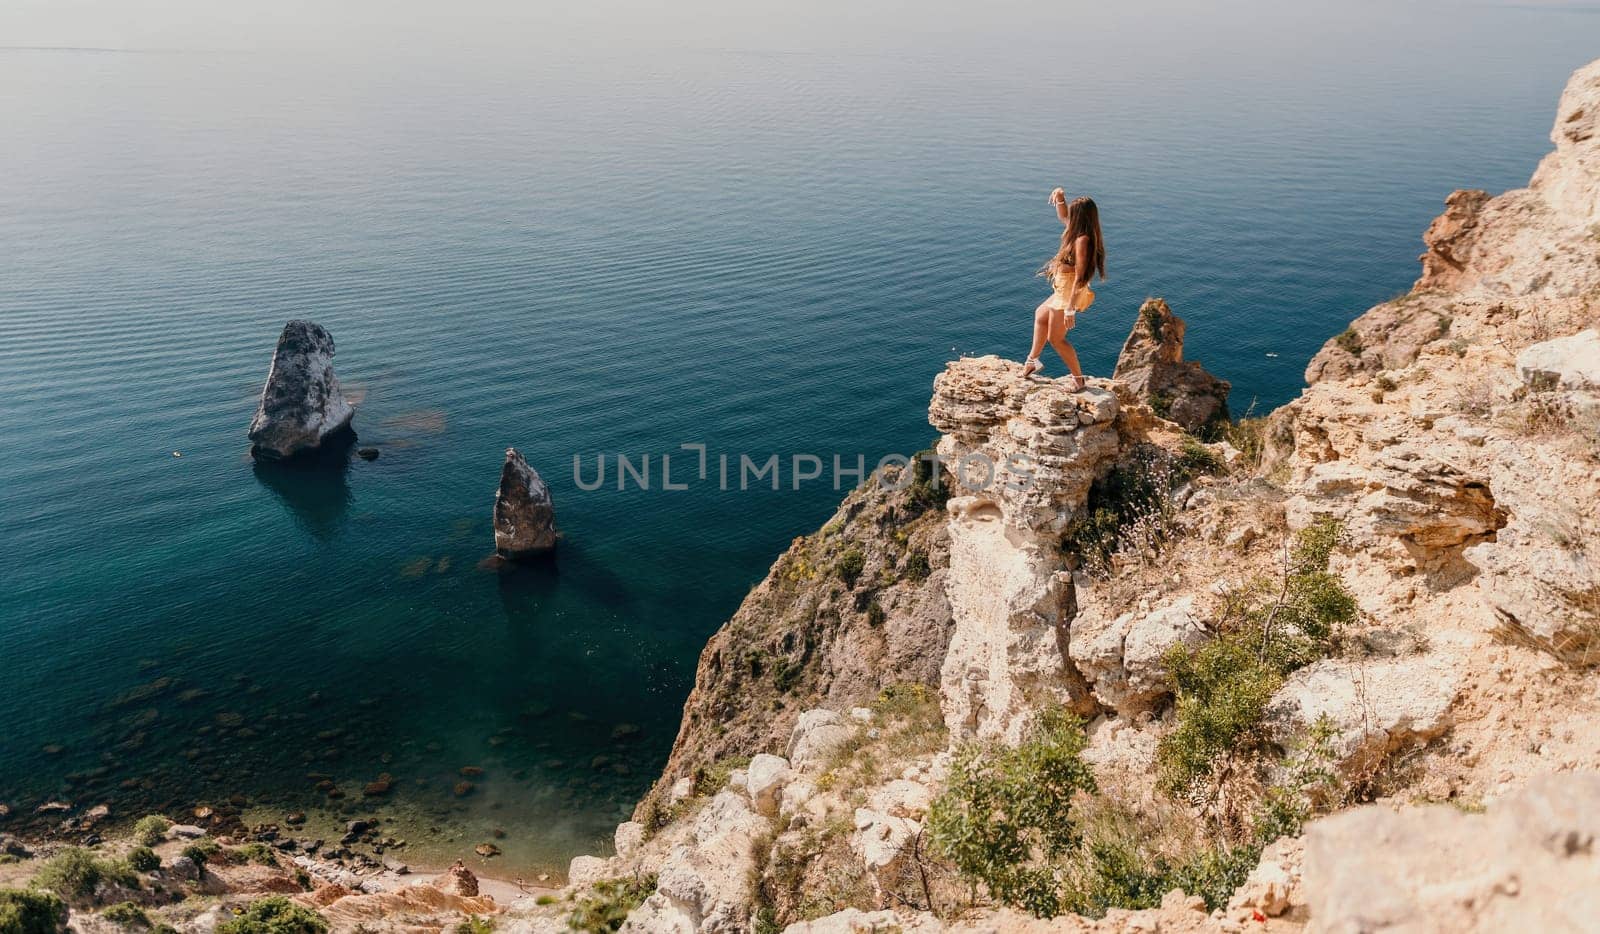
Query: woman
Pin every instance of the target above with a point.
(1082, 254)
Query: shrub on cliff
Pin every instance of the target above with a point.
(143, 859)
(275, 914)
(150, 829)
(1128, 510)
(75, 873)
(604, 907)
(1006, 814)
(1269, 629)
(31, 912)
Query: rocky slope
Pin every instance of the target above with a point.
(1447, 450)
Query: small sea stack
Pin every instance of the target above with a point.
(524, 517)
(1152, 366)
(301, 406)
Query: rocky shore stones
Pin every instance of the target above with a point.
(301, 404)
(1152, 366)
(524, 517)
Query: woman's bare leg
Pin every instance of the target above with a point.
(1042, 324)
(1057, 335)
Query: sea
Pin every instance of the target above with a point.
(672, 234)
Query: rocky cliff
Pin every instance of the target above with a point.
(1382, 594)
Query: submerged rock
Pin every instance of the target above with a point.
(1152, 366)
(301, 404)
(524, 517)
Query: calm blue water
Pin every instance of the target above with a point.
(764, 245)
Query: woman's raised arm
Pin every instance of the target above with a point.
(1059, 199)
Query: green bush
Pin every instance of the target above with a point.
(258, 853)
(1269, 630)
(201, 852)
(604, 907)
(1195, 459)
(126, 915)
(75, 872)
(31, 912)
(710, 779)
(1006, 814)
(916, 566)
(930, 484)
(275, 914)
(475, 924)
(1349, 341)
(850, 565)
(143, 859)
(150, 829)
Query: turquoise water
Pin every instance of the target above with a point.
(767, 245)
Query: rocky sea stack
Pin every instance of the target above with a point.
(301, 406)
(1152, 366)
(524, 517)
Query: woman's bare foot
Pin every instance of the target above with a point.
(1031, 367)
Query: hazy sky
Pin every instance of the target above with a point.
(248, 24)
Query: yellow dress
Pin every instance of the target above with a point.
(1062, 283)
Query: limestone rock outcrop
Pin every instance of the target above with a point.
(1040, 446)
(1375, 706)
(524, 517)
(1450, 239)
(1123, 659)
(1531, 863)
(1152, 368)
(301, 405)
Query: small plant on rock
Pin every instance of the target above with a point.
(1270, 629)
(275, 914)
(150, 829)
(143, 859)
(605, 906)
(850, 565)
(126, 915)
(75, 873)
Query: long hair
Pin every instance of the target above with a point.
(1083, 219)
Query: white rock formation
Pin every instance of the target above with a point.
(816, 734)
(1042, 446)
(301, 405)
(1531, 863)
(1375, 705)
(1124, 660)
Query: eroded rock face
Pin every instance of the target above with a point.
(1571, 362)
(301, 405)
(524, 517)
(1124, 659)
(1450, 239)
(1011, 598)
(1152, 367)
(1529, 864)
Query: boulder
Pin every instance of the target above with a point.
(764, 781)
(1571, 362)
(1530, 863)
(1124, 660)
(301, 405)
(585, 871)
(628, 838)
(1376, 706)
(1152, 367)
(816, 734)
(524, 517)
